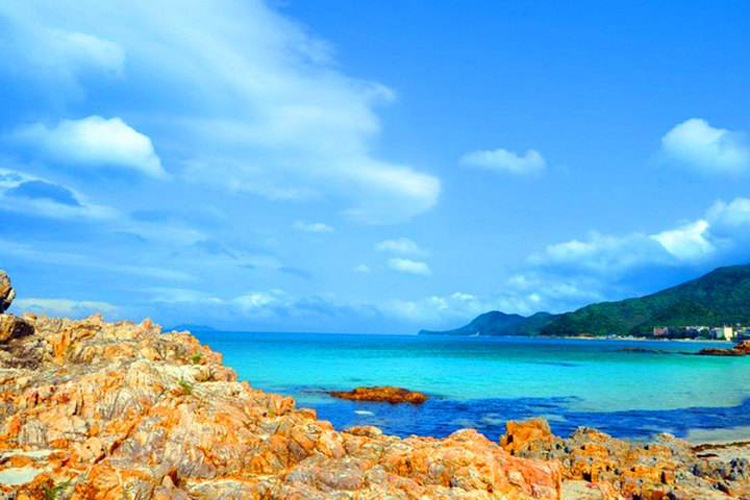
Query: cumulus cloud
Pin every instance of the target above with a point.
(729, 220)
(695, 144)
(63, 307)
(688, 242)
(94, 142)
(313, 227)
(409, 266)
(503, 161)
(716, 239)
(403, 246)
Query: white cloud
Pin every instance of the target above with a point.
(501, 160)
(409, 266)
(688, 242)
(361, 268)
(34, 46)
(254, 302)
(715, 239)
(168, 295)
(313, 227)
(694, 143)
(275, 304)
(403, 246)
(63, 307)
(602, 254)
(82, 49)
(94, 142)
(248, 99)
(456, 309)
(731, 216)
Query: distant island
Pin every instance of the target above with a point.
(716, 305)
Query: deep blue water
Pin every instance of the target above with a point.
(482, 382)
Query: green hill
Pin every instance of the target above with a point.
(499, 323)
(717, 298)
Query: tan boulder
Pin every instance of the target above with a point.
(12, 327)
(7, 294)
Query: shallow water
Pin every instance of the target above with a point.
(482, 382)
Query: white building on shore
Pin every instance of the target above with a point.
(723, 332)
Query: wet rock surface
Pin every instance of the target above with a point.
(91, 409)
(383, 394)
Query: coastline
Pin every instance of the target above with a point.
(625, 338)
(108, 399)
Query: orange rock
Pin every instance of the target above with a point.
(523, 435)
(112, 399)
(387, 394)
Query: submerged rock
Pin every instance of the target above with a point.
(383, 394)
(742, 348)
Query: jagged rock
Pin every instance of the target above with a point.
(599, 466)
(384, 394)
(7, 294)
(12, 327)
(520, 436)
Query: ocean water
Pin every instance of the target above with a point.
(481, 382)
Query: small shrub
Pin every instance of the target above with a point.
(197, 359)
(187, 387)
(53, 492)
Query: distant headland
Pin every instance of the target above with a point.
(714, 306)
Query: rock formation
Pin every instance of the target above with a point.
(7, 294)
(383, 394)
(10, 325)
(97, 410)
(597, 466)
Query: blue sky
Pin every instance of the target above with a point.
(367, 167)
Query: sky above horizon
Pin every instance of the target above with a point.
(374, 167)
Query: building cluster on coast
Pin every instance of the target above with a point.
(725, 332)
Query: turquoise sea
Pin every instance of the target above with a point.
(626, 388)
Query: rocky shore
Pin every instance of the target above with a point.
(91, 409)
